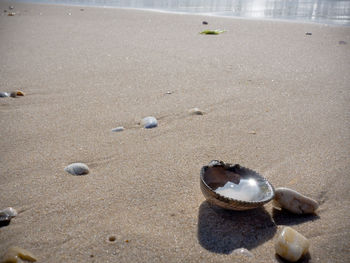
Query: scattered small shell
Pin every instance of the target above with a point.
(169, 92)
(77, 169)
(149, 122)
(4, 94)
(13, 94)
(4, 217)
(294, 202)
(212, 32)
(118, 129)
(19, 93)
(10, 211)
(13, 253)
(11, 14)
(341, 42)
(11, 7)
(291, 245)
(243, 252)
(308, 33)
(195, 111)
(252, 132)
(69, 14)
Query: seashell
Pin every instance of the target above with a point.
(294, 202)
(195, 111)
(12, 14)
(291, 245)
(4, 94)
(149, 122)
(19, 93)
(243, 252)
(4, 217)
(234, 187)
(9, 211)
(14, 253)
(13, 94)
(77, 169)
(118, 129)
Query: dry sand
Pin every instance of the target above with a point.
(94, 70)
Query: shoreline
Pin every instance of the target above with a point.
(273, 99)
(325, 22)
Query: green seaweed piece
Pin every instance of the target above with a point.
(212, 32)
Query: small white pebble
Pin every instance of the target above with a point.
(293, 201)
(291, 245)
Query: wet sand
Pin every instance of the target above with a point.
(86, 72)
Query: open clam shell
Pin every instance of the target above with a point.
(234, 187)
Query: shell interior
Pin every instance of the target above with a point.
(237, 183)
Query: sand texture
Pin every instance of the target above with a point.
(275, 100)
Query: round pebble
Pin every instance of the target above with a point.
(149, 122)
(77, 169)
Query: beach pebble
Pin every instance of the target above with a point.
(294, 202)
(4, 94)
(341, 42)
(77, 169)
(149, 122)
(308, 33)
(291, 245)
(118, 129)
(195, 111)
(205, 23)
(252, 132)
(243, 252)
(14, 253)
(11, 7)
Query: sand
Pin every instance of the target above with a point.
(87, 72)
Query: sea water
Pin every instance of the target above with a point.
(321, 11)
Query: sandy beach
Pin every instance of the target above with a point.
(275, 100)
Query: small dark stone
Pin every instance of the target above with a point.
(82, 9)
(205, 23)
(341, 42)
(308, 33)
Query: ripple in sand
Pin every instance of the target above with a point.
(149, 122)
(77, 169)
